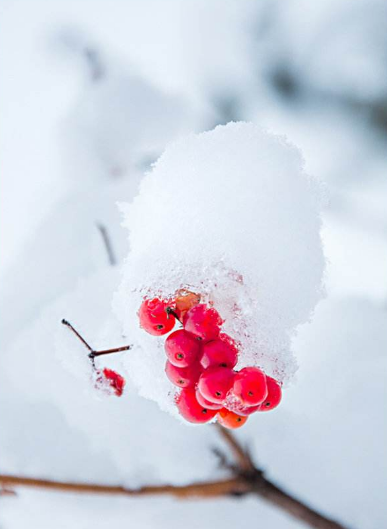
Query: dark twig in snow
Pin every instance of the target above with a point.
(247, 479)
(108, 244)
(93, 354)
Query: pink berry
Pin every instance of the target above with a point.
(215, 383)
(154, 317)
(274, 395)
(250, 386)
(203, 321)
(190, 408)
(110, 380)
(206, 403)
(229, 419)
(184, 377)
(220, 353)
(182, 348)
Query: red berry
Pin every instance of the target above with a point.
(183, 377)
(182, 348)
(220, 353)
(203, 321)
(274, 395)
(215, 383)
(185, 300)
(232, 403)
(110, 380)
(154, 317)
(229, 419)
(206, 403)
(250, 386)
(190, 408)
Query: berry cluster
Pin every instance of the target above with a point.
(201, 361)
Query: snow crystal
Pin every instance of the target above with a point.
(229, 214)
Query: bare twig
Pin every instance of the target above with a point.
(108, 244)
(204, 490)
(247, 479)
(72, 329)
(243, 458)
(93, 353)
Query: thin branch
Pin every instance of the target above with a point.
(244, 460)
(72, 329)
(108, 245)
(247, 479)
(203, 490)
(93, 354)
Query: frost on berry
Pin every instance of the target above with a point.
(109, 382)
(231, 216)
(155, 317)
(203, 321)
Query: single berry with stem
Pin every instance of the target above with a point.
(215, 383)
(221, 352)
(274, 395)
(156, 316)
(191, 410)
(183, 377)
(250, 386)
(182, 348)
(229, 419)
(203, 321)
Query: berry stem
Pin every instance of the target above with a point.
(174, 314)
(68, 324)
(93, 353)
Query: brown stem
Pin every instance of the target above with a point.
(93, 353)
(68, 324)
(244, 460)
(241, 485)
(204, 490)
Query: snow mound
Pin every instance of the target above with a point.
(229, 214)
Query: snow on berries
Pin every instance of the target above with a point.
(201, 364)
(225, 246)
(109, 382)
(155, 317)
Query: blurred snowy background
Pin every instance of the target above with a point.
(92, 92)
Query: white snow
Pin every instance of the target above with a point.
(326, 442)
(229, 214)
